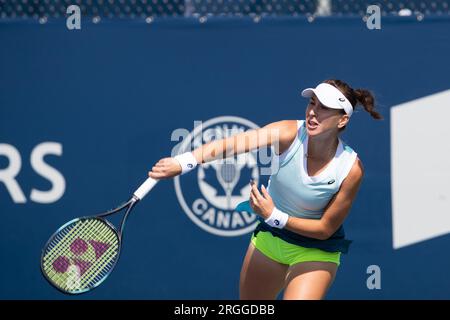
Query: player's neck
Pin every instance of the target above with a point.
(322, 148)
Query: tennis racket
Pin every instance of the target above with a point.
(82, 253)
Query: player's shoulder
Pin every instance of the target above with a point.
(354, 176)
(285, 129)
(285, 126)
(357, 170)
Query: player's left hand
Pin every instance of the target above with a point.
(261, 203)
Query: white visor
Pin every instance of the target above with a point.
(330, 97)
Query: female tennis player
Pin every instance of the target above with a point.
(298, 243)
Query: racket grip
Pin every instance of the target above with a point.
(142, 191)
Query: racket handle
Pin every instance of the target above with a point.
(142, 191)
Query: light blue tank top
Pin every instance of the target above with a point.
(300, 195)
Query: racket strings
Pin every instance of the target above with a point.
(62, 251)
(57, 250)
(104, 263)
(81, 281)
(66, 235)
(69, 239)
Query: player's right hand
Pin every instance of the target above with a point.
(165, 168)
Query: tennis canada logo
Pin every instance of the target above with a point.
(210, 193)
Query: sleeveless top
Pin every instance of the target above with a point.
(296, 193)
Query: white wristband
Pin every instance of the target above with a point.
(187, 162)
(277, 219)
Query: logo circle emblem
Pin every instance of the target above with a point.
(210, 193)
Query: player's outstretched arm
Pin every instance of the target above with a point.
(278, 133)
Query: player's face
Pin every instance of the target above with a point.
(320, 119)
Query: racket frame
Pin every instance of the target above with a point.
(130, 204)
(138, 195)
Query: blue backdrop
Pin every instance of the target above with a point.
(112, 93)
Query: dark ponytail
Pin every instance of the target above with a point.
(357, 96)
(366, 99)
